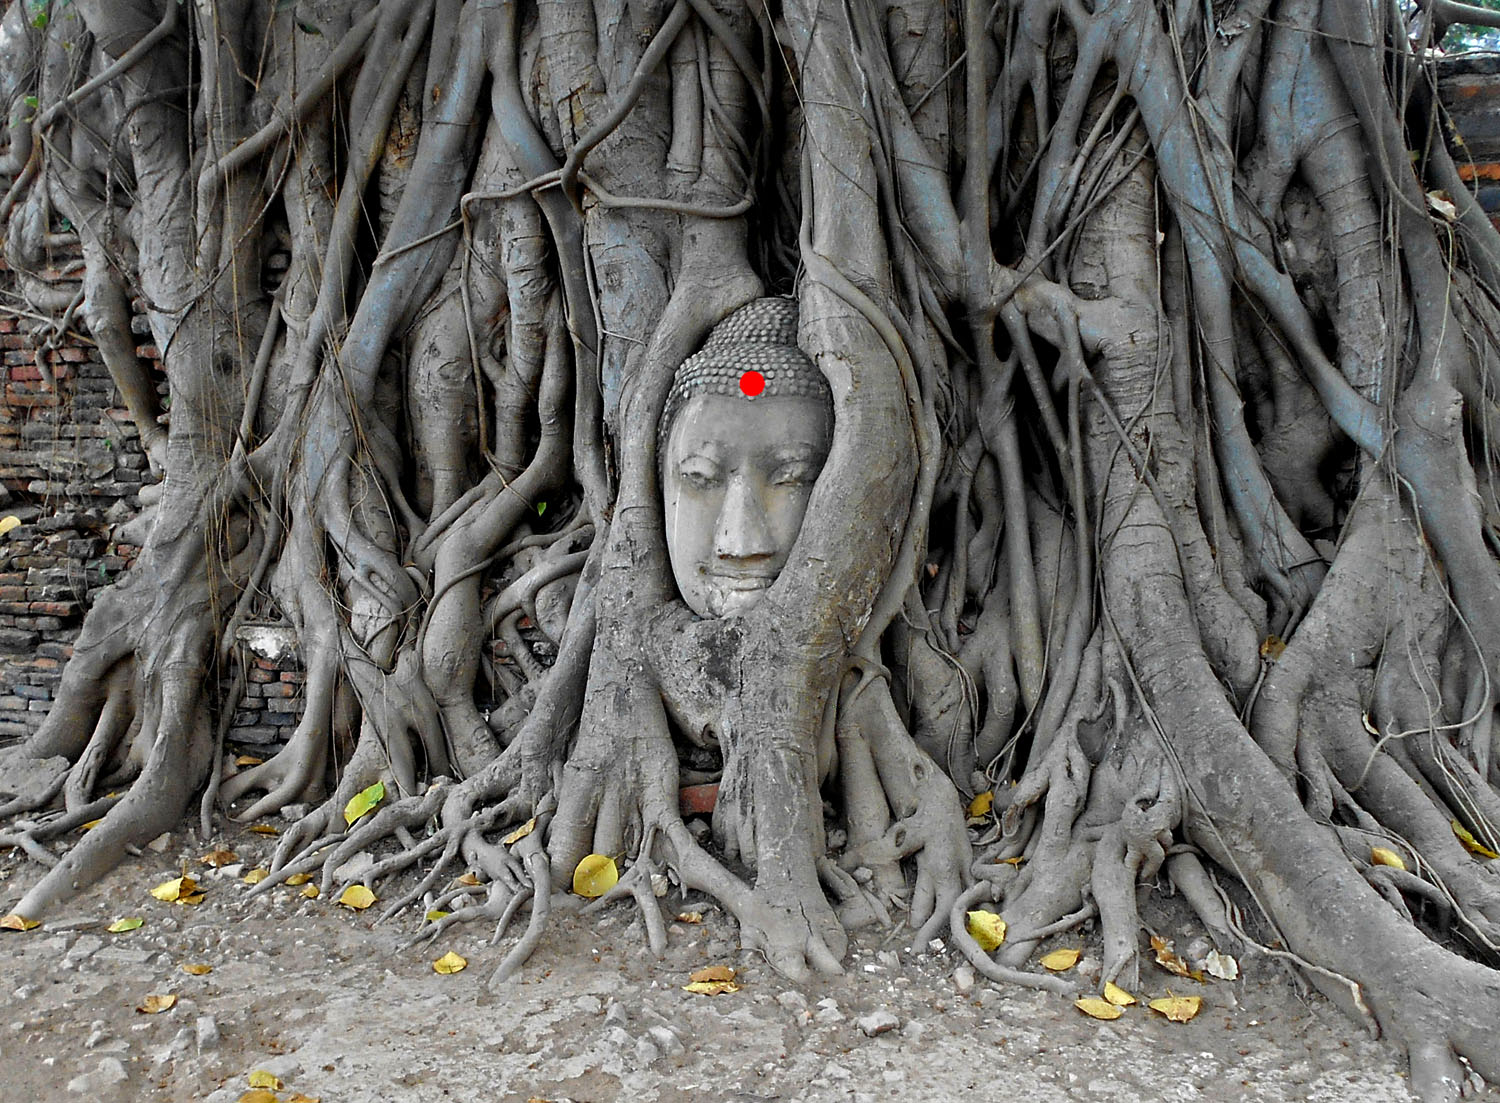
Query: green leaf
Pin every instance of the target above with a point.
(363, 803)
(30, 101)
(541, 508)
(310, 28)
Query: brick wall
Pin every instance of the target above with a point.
(71, 469)
(1470, 88)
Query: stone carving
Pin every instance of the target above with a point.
(737, 469)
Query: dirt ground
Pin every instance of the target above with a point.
(336, 1010)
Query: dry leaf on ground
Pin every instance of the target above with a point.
(260, 1078)
(1168, 959)
(712, 973)
(595, 875)
(981, 804)
(154, 1005)
(14, 922)
(1177, 1008)
(986, 928)
(197, 969)
(310, 891)
(217, 858)
(257, 875)
(264, 829)
(1385, 856)
(711, 988)
(1221, 965)
(258, 1095)
(450, 963)
(1059, 961)
(174, 890)
(1117, 995)
(298, 879)
(1097, 1008)
(357, 897)
(120, 926)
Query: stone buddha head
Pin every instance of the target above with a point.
(739, 454)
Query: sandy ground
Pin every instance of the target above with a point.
(336, 1010)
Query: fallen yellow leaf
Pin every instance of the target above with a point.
(1060, 961)
(1117, 995)
(310, 891)
(1384, 856)
(435, 914)
(248, 760)
(1177, 1008)
(711, 988)
(357, 897)
(14, 922)
(689, 917)
(175, 889)
(8, 522)
(298, 879)
(260, 1078)
(257, 875)
(450, 963)
(264, 829)
(521, 832)
(298, 1097)
(217, 858)
(1167, 958)
(1473, 845)
(987, 929)
(469, 879)
(981, 805)
(1097, 1008)
(711, 973)
(192, 899)
(91, 824)
(120, 926)
(1271, 648)
(155, 1005)
(362, 803)
(1016, 861)
(197, 969)
(595, 875)
(257, 1095)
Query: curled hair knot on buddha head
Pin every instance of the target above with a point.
(760, 336)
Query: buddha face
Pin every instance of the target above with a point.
(735, 479)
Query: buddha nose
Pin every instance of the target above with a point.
(743, 530)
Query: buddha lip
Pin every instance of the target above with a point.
(744, 581)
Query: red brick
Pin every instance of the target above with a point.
(256, 674)
(17, 397)
(697, 799)
(54, 608)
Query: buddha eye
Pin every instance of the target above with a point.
(795, 473)
(697, 475)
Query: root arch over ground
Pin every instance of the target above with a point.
(1162, 341)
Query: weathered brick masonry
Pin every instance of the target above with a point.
(72, 468)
